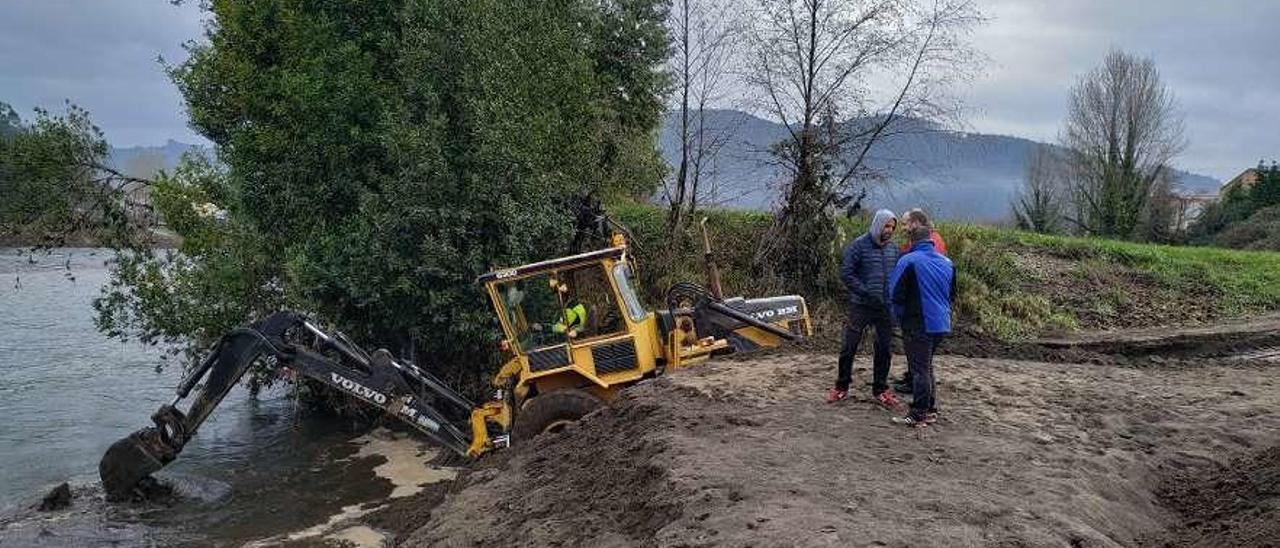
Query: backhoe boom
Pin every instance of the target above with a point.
(397, 387)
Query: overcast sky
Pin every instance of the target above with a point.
(1220, 58)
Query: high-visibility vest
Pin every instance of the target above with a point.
(575, 317)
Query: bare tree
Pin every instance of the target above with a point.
(1039, 205)
(705, 34)
(841, 76)
(1122, 130)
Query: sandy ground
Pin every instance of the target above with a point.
(745, 453)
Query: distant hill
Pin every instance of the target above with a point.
(144, 161)
(953, 174)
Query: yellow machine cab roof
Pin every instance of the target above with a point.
(553, 264)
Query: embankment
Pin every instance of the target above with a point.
(745, 453)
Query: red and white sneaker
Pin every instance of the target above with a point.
(889, 400)
(836, 394)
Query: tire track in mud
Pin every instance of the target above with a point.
(1257, 339)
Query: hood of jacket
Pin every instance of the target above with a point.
(877, 224)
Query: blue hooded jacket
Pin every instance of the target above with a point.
(868, 263)
(922, 287)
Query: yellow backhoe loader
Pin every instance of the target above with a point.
(575, 333)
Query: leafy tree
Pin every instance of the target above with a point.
(1266, 192)
(1235, 206)
(55, 187)
(10, 122)
(484, 169)
(629, 44)
(1243, 216)
(292, 94)
(222, 272)
(380, 155)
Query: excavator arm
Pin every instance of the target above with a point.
(286, 340)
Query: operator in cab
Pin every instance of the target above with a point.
(573, 318)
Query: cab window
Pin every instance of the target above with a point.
(533, 307)
(622, 276)
(551, 308)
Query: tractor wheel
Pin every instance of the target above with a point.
(552, 412)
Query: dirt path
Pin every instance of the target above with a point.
(745, 453)
(1222, 338)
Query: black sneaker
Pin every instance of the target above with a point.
(902, 387)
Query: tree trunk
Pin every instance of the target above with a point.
(675, 216)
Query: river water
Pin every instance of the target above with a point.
(259, 468)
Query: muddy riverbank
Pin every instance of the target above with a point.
(745, 453)
(1145, 438)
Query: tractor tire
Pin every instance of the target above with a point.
(552, 412)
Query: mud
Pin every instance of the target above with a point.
(1110, 295)
(1187, 346)
(57, 499)
(409, 465)
(1236, 504)
(90, 521)
(607, 480)
(398, 519)
(745, 453)
(1253, 339)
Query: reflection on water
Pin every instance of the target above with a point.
(257, 468)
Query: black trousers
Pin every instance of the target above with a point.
(860, 318)
(919, 347)
(906, 377)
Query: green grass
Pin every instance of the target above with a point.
(999, 295)
(1241, 281)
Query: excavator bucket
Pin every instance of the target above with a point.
(135, 457)
(132, 459)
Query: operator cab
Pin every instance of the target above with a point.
(550, 308)
(577, 314)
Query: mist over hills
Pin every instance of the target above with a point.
(145, 161)
(952, 174)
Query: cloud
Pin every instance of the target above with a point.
(1216, 57)
(101, 56)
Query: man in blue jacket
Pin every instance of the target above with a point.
(865, 270)
(922, 287)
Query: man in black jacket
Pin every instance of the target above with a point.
(865, 270)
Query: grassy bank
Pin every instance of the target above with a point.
(1013, 284)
